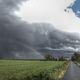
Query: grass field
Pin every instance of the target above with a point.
(30, 70)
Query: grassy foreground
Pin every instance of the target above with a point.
(30, 70)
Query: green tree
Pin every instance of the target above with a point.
(48, 57)
(61, 58)
(76, 57)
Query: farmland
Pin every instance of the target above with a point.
(30, 70)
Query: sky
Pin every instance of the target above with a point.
(21, 39)
(63, 14)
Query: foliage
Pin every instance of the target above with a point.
(76, 57)
(61, 58)
(30, 70)
(49, 57)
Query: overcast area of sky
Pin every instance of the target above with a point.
(50, 11)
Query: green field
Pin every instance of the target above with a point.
(30, 70)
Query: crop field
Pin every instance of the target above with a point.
(30, 70)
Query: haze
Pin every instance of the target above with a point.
(50, 11)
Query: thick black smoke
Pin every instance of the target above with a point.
(22, 40)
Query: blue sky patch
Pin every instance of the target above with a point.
(75, 7)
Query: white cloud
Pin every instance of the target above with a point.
(51, 11)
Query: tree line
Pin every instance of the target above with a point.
(76, 56)
(49, 57)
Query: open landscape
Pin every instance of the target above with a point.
(39, 39)
(31, 70)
